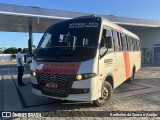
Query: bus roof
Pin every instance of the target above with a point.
(119, 28)
(111, 24)
(107, 22)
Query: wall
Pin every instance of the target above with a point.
(5, 57)
(148, 39)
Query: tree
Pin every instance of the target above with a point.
(2, 50)
(13, 57)
(34, 46)
(11, 50)
(25, 50)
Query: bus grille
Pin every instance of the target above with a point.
(64, 83)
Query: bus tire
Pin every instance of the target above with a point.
(132, 77)
(106, 94)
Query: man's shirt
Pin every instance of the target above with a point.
(19, 55)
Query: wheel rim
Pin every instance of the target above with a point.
(105, 93)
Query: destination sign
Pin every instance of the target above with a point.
(84, 25)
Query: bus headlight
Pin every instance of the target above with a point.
(85, 76)
(33, 73)
(79, 77)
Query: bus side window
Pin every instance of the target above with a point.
(132, 44)
(103, 48)
(129, 43)
(119, 40)
(106, 41)
(138, 47)
(124, 42)
(135, 45)
(116, 42)
(109, 38)
(106, 37)
(139, 44)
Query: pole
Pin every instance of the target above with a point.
(30, 41)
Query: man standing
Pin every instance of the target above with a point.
(20, 65)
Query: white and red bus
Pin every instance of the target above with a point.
(84, 59)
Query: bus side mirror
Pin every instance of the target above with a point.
(108, 42)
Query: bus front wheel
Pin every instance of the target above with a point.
(106, 94)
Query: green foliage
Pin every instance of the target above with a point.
(2, 50)
(25, 50)
(12, 50)
(13, 57)
(34, 46)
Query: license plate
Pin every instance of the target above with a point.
(51, 85)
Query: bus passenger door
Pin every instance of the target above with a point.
(105, 54)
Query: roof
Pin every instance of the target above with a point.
(17, 18)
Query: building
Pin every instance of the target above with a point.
(15, 18)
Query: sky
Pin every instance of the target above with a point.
(146, 9)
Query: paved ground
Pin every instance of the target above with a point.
(143, 94)
(1, 93)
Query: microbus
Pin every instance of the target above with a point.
(84, 59)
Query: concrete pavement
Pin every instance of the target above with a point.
(17, 98)
(1, 93)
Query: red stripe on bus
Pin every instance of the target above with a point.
(58, 67)
(127, 64)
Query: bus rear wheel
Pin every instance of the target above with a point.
(106, 94)
(132, 77)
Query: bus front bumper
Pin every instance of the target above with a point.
(82, 90)
(72, 97)
(79, 91)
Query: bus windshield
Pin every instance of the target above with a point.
(71, 38)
